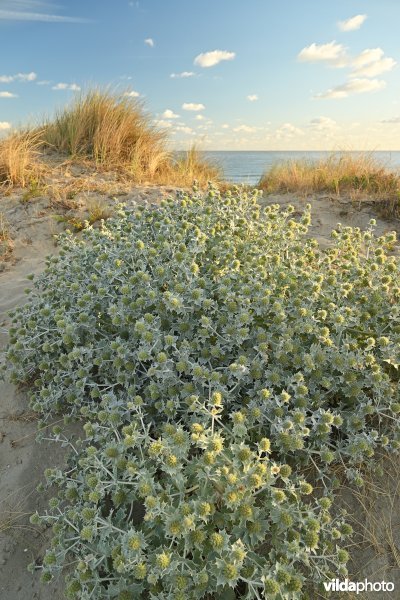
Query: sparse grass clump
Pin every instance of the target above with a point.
(190, 166)
(225, 366)
(96, 210)
(339, 173)
(19, 158)
(6, 243)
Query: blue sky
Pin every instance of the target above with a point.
(226, 74)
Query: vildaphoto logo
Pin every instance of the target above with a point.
(335, 585)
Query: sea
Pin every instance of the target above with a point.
(247, 167)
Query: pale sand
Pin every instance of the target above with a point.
(22, 460)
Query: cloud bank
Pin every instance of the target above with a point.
(18, 77)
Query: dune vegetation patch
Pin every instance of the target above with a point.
(228, 372)
(107, 129)
(343, 173)
(116, 132)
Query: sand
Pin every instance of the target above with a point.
(32, 227)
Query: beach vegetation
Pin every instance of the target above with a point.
(227, 372)
(108, 129)
(354, 174)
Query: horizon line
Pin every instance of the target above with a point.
(331, 151)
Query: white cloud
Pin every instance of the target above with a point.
(367, 56)
(169, 114)
(199, 117)
(8, 95)
(66, 86)
(365, 67)
(355, 86)
(132, 94)
(332, 53)
(352, 23)
(184, 129)
(245, 128)
(149, 42)
(225, 126)
(182, 75)
(323, 124)
(162, 123)
(4, 125)
(380, 66)
(210, 59)
(26, 76)
(289, 130)
(18, 77)
(31, 10)
(192, 106)
(371, 62)
(252, 97)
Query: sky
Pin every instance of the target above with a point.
(223, 74)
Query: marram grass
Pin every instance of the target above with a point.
(225, 368)
(339, 173)
(114, 130)
(111, 129)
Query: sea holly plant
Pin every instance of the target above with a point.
(217, 320)
(181, 512)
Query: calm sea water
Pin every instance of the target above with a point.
(247, 167)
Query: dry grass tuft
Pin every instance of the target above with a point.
(110, 128)
(13, 511)
(22, 417)
(18, 158)
(189, 166)
(354, 174)
(98, 210)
